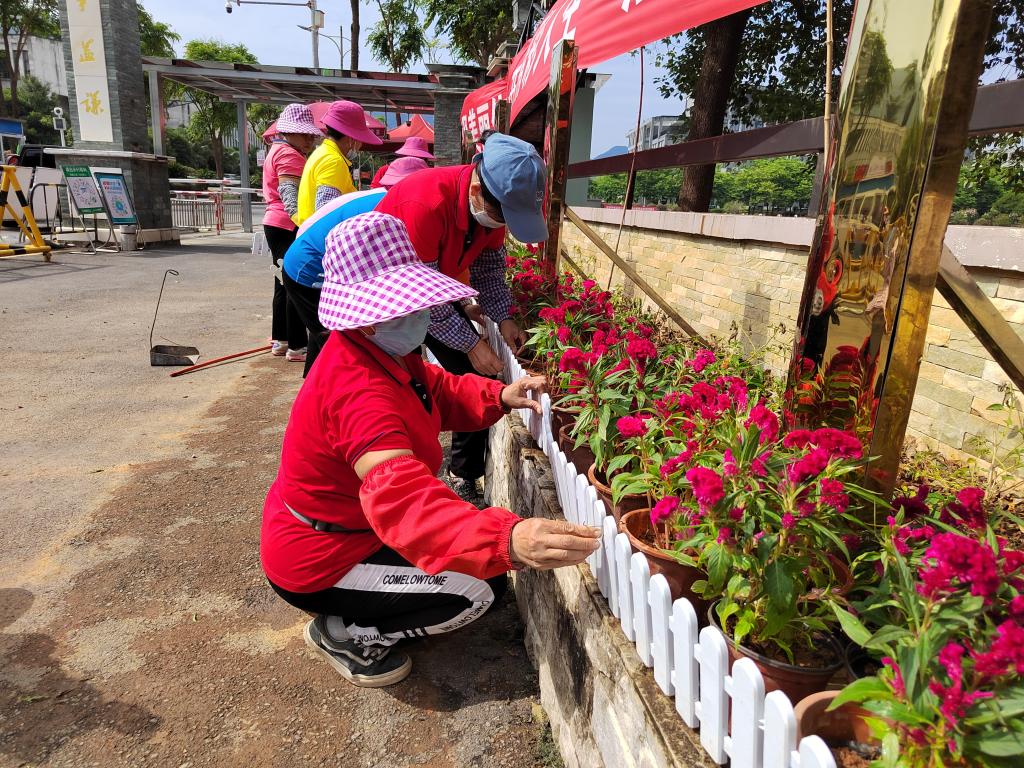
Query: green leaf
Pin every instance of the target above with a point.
(862, 690)
(852, 626)
(1001, 743)
(718, 562)
(779, 586)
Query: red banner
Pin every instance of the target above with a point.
(602, 29)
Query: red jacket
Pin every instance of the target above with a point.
(434, 204)
(358, 399)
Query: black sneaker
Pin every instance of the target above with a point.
(465, 489)
(365, 666)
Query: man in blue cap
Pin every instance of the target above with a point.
(456, 217)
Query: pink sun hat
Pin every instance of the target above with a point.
(400, 168)
(348, 118)
(415, 146)
(372, 273)
(297, 118)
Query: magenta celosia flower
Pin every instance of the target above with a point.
(724, 535)
(798, 438)
(759, 466)
(736, 513)
(838, 443)
(968, 509)
(810, 465)
(641, 349)
(913, 506)
(765, 420)
(832, 494)
(953, 562)
(707, 486)
(563, 333)
(788, 521)
(701, 360)
(898, 685)
(631, 426)
(1006, 653)
(572, 360)
(729, 468)
(664, 509)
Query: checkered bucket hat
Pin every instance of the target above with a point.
(372, 273)
(297, 118)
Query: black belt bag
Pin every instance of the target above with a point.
(320, 525)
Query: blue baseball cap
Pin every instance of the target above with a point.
(516, 175)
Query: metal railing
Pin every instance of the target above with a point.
(212, 211)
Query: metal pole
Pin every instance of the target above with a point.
(243, 164)
(156, 108)
(556, 145)
(341, 45)
(314, 32)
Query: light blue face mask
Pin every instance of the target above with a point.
(403, 334)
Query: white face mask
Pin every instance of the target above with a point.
(483, 218)
(402, 335)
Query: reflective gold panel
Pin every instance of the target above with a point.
(906, 96)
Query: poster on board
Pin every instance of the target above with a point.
(114, 189)
(82, 189)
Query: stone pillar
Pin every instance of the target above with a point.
(108, 105)
(454, 83)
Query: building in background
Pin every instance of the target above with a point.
(43, 59)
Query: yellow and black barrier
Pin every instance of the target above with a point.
(26, 221)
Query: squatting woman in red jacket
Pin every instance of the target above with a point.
(357, 529)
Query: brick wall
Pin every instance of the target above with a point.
(720, 271)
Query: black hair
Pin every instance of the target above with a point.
(333, 134)
(486, 135)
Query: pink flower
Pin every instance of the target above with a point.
(641, 349)
(913, 506)
(788, 521)
(701, 360)
(838, 443)
(572, 360)
(809, 466)
(724, 535)
(765, 420)
(897, 677)
(563, 333)
(832, 494)
(798, 438)
(664, 509)
(729, 468)
(707, 486)
(758, 467)
(631, 426)
(736, 513)
(968, 509)
(953, 562)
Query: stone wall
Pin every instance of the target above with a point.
(747, 272)
(606, 711)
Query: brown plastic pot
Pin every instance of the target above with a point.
(841, 726)
(581, 457)
(532, 365)
(637, 526)
(796, 682)
(561, 417)
(627, 503)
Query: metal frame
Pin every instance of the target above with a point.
(561, 95)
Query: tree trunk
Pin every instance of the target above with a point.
(217, 147)
(354, 35)
(710, 99)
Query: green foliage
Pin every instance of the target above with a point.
(212, 118)
(155, 37)
(397, 38)
(474, 28)
(20, 19)
(779, 76)
(37, 103)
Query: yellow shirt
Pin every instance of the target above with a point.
(326, 167)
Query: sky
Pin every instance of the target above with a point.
(272, 34)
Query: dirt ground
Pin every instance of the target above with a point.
(137, 628)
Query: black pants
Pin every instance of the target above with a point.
(307, 302)
(286, 325)
(469, 449)
(385, 598)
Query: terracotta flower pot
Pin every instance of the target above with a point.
(626, 504)
(561, 417)
(532, 365)
(581, 457)
(794, 681)
(637, 526)
(843, 729)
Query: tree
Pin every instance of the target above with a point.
(155, 37)
(765, 63)
(37, 103)
(213, 118)
(475, 27)
(261, 116)
(397, 39)
(354, 35)
(19, 20)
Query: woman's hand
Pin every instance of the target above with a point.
(515, 394)
(544, 544)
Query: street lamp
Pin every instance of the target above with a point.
(316, 19)
(338, 42)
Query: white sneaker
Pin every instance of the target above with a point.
(296, 355)
(278, 348)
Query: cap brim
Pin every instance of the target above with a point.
(525, 226)
(387, 296)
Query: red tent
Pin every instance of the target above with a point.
(415, 127)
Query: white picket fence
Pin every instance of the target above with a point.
(691, 666)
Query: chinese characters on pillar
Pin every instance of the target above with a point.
(92, 92)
